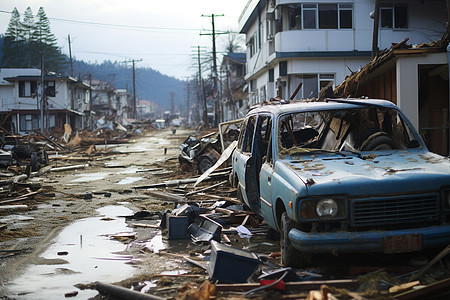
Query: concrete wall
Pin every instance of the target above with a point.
(408, 82)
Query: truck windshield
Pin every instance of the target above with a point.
(351, 130)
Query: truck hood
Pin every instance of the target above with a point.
(405, 171)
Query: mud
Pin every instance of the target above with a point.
(89, 234)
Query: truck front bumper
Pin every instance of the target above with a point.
(367, 241)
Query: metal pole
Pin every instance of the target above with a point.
(216, 102)
(375, 29)
(70, 57)
(42, 93)
(134, 91)
(188, 103)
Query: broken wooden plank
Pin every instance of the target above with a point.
(427, 292)
(432, 262)
(403, 287)
(178, 182)
(302, 285)
(167, 196)
(13, 207)
(123, 293)
(230, 199)
(145, 225)
(67, 168)
(179, 275)
(207, 188)
(20, 198)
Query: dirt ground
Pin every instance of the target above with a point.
(151, 158)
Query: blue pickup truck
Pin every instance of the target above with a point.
(342, 176)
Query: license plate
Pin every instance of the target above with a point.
(402, 243)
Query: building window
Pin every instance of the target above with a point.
(252, 45)
(262, 93)
(328, 16)
(309, 16)
(311, 84)
(394, 16)
(282, 68)
(295, 17)
(50, 89)
(346, 16)
(322, 16)
(270, 29)
(29, 122)
(271, 75)
(27, 88)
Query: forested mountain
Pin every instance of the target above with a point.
(150, 84)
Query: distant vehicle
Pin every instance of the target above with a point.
(159, 123)
(205, 152)
(176, 122)
(342, 176)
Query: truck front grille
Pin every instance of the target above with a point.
(394, 210)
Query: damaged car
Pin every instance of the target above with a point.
(205, 152)
(342, 176)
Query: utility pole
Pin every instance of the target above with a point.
(202, 86)
(213, 34)
(133, 112)
(376, 19)
(70, 56)
(42, 93)
(172, 103)
(188, 102)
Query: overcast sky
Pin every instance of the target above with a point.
(161, 33)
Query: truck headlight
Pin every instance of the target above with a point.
(326, 208)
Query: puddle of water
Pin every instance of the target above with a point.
(156, 244)
(90, 177)
(130, 170)
(92, 256)
(129, 180)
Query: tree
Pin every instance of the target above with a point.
(45, 42)
(26, 42)
(12, 49)
(234, 43)
(28, 26)
(14, 26)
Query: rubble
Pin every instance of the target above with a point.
(226, 249)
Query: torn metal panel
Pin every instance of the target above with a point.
(204, 230)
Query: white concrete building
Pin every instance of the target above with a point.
(319, 43)
(21, 99)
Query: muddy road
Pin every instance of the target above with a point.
(76, 232)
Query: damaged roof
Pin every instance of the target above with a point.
(349, 86)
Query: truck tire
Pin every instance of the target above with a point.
(205, 162)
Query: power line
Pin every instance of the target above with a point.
(140, 54)
(119, 26)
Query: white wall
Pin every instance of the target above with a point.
(408, 82)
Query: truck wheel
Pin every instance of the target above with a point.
(289, 255)
(204, 163)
